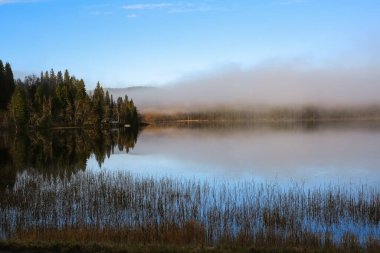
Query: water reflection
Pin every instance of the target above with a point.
(314, 155)
(59, 152)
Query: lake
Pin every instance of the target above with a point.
(334, 154)
(249, 182)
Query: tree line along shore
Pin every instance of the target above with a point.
(59, 100)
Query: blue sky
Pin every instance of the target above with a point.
(152, 42)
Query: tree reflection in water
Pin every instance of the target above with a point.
(58, 152)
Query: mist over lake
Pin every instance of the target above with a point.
(277, 83)
(326, 154)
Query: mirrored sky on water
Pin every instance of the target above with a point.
(314, 157)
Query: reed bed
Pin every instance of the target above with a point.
(125, 208)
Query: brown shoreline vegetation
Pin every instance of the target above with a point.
(90, 247)
(126, 213)
(301, 114)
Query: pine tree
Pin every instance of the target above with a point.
(119, 105)
(80, 90)
(9, 80)
(98, 104)
(108, 112)
(52, 81)
(59, 78)
(111, 109)
(2, 87)
(7, 85)
(66, 77)
(46, 113)
(69, 86)
(81, 103)
(19, 108)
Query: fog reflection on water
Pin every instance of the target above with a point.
(317, 156)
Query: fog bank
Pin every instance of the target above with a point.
(271, 84)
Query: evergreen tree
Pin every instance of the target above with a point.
(53, 78)
(9, 80)
(47, 89)
(111, 109)
(38, 99)
(133, 114)
(108, 112)
(69, 82)
(59, 78)
(81, 93)
(61, 94)
(82, 103)
(119, 106)
(2, 87)
(66, 77)
(19, 108)
(46, 113)
(98, 104)
(7, 85)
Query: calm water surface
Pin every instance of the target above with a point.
(319, 179)
(337, 155)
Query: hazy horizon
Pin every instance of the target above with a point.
(277, 83)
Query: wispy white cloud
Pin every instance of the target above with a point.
(105, 9)
(172, 7)
(97, 6)
(195, 9)
(101, 13)
(19, 1)
(290, 2)
(132, 16)
(148, 6)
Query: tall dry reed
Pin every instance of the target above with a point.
(124, 208)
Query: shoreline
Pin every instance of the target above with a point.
(88, 247)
